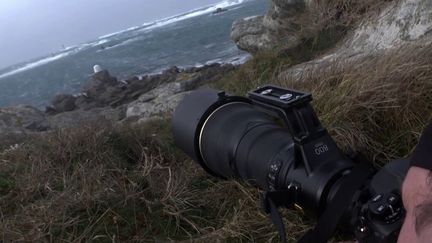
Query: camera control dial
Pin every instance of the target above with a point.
(386, 208)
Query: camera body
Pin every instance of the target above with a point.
(377, 211)
(378, 214)
(237, 137)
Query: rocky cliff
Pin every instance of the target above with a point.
(401, 24)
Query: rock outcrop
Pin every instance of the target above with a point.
(401, 23)
(22, 119)
(265, 32)
(158, 101)
(250, 35)
(104, 97)
(62, 103)
(165, 98)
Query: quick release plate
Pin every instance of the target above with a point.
(279, 97)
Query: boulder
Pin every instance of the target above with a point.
(282, 14)
(134, 99)
(22, 119)
(278, 26)
(62, 103)
(250, 35)
(163, 99)
(160, 101)
(104, 76)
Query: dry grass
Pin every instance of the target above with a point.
(102, 183)
(324, 23)
(324, 14)
(263, 67)
(377, 105)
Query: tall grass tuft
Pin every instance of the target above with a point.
(377, 105)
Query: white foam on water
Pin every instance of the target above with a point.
(123, 43)
(91, 44)
(66, 52)
(120, 32)
(217, 60)
(35, 64)
(194, 13)
(112, 34)
(106, 38)
(250, 17)
(180, 17)
(239, 60)
(97, 43)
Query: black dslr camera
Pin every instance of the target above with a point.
(296, 164)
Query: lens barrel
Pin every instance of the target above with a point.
(239, 141)
(231, 138)
(228, 137)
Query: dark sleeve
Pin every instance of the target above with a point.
(422, 156)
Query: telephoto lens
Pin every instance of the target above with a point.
(231, 138)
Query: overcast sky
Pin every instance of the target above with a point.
(33, 28)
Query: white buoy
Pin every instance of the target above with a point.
(97, 68)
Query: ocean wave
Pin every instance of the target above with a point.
(35, 64)
(119, 32)
(91, 44)
(123, 43)
(97, 43)
(235, 60)
(56, 56)
(239, 60)
(156, 24)
(191, 14)
(107, 38)
(250, 17)
(112, 34)
(217, 60)
(175, 18)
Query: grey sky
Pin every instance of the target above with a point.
(32, 28)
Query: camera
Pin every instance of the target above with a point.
(273, 139)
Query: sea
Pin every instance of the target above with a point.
(195, 38)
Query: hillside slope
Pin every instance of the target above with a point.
(368, 65)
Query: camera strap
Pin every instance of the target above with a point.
(329, 220)
(270, 202)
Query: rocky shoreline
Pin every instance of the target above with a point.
(395, 25)
(104, 97)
